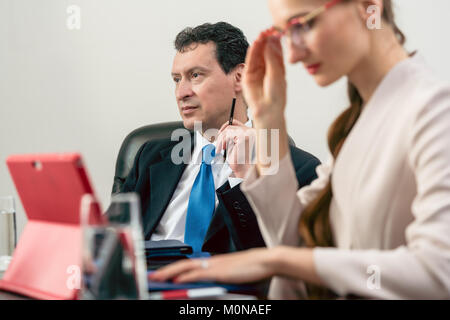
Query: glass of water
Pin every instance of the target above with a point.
(8, 231)
(113, 261)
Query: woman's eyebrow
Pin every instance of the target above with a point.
(297, 15)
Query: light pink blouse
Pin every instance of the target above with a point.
(390, 212)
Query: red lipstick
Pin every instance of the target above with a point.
(313, 68)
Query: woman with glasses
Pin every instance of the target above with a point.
(376, 221)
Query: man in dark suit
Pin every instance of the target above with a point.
(207, 73)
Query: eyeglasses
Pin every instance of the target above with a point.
(297, 27)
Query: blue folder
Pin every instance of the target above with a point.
(166, 248)
(168, 285)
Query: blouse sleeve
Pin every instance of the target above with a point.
(278, 203)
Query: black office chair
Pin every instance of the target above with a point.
(135, 140)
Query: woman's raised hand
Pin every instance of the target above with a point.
(264, 89)
(264, 80)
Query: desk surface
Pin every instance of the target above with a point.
(4, 295)
(11, 296)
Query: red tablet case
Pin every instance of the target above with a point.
(48, 254)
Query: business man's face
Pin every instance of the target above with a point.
(202, 89)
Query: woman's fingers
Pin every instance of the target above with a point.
(185, 271)
(274, 58)
(264, 78)
(254, 70)
(275, 80)
(255, 57)
(173, 270)
(195, 275)
(253, 77)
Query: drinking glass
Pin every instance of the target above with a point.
(8, 231)
(113, 261)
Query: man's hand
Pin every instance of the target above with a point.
(239, 141)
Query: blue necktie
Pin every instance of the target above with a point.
(202, 202)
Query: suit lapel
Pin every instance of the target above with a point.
(164, 178)
(217, 223)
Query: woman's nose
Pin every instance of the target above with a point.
(297, 53)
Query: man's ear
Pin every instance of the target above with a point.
(367, 9)
(237, 77)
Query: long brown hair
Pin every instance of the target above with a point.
(314, 224)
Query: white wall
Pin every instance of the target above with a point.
(84, 90)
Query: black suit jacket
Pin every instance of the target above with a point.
(233, 226)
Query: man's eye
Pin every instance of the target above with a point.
(176, 80)
(195, 75)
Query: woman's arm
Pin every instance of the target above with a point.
(271, 186)
(295, 263)
(244, 267)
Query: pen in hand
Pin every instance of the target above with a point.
(230, 122)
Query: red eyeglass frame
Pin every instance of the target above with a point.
(273, 31)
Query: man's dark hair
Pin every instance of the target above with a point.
(231, 44)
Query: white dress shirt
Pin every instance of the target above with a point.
(390, 211)
(173, 222)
